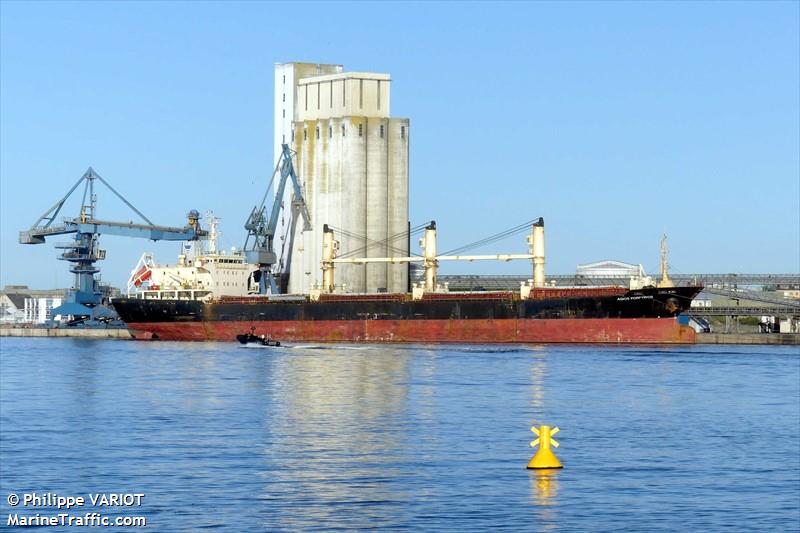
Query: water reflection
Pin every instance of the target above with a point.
(538, 375)
(338, 430)
(544, 486)
(544, 494)
(426, 386)
(367, 385)
(414, 439)
(83, 375)
(543, 483)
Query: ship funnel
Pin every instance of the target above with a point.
(537, 250)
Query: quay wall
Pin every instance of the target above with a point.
(98, 333)
(749, 338)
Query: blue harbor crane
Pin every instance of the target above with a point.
(260, 250)
(84, 301)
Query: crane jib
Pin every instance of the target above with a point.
(260, 249)
(84, 300)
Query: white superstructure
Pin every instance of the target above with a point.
(198, 274)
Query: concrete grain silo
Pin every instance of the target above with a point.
(352, 159)
(377, 201)
(354, 201)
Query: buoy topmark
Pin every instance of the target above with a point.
(544, 458)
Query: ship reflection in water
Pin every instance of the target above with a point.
(412, 437)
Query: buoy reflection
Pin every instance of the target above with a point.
(544, 486)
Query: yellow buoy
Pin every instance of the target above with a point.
(544, 458)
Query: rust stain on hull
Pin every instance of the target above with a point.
(603, 331)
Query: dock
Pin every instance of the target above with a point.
(86, 333)
(792, 339)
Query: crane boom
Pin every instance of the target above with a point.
(104, 227)
(84, 299)
(261, 250)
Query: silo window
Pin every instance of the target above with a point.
(305, 90)
(283, 139)
(317, 132)
(284, 113)
(284, 97)
(360, 94)
(379, 96)
(342, 130)
(305, 134)
(381, 131)
(284, 80)
(292, 135)
(330, 132)
(402, 132)
(360, 130)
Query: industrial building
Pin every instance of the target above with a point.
(22, 305)
(352, 158)
(609, 269)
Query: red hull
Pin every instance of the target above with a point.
(564, 330)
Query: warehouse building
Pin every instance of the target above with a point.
(20, 304)
(609, 269)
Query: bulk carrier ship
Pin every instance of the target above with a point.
(211, 297)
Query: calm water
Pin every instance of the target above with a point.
(413, 437)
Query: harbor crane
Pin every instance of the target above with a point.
(430, 258)
(260, 250)
(83, 301)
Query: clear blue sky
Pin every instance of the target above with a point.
(614, 121)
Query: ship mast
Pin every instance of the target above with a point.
(665, 281)
(213, 233)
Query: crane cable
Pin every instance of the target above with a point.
(521, 228)
(372, 243)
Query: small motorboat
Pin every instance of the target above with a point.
(251, 339)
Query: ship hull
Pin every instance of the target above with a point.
(602, 315)
(586, 330)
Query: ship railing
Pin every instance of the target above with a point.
(254, 299)
(581, 292)
(173, 294)
(364, 297)
(469, 295)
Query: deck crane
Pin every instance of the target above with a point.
(260, 250)
(84, 300)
